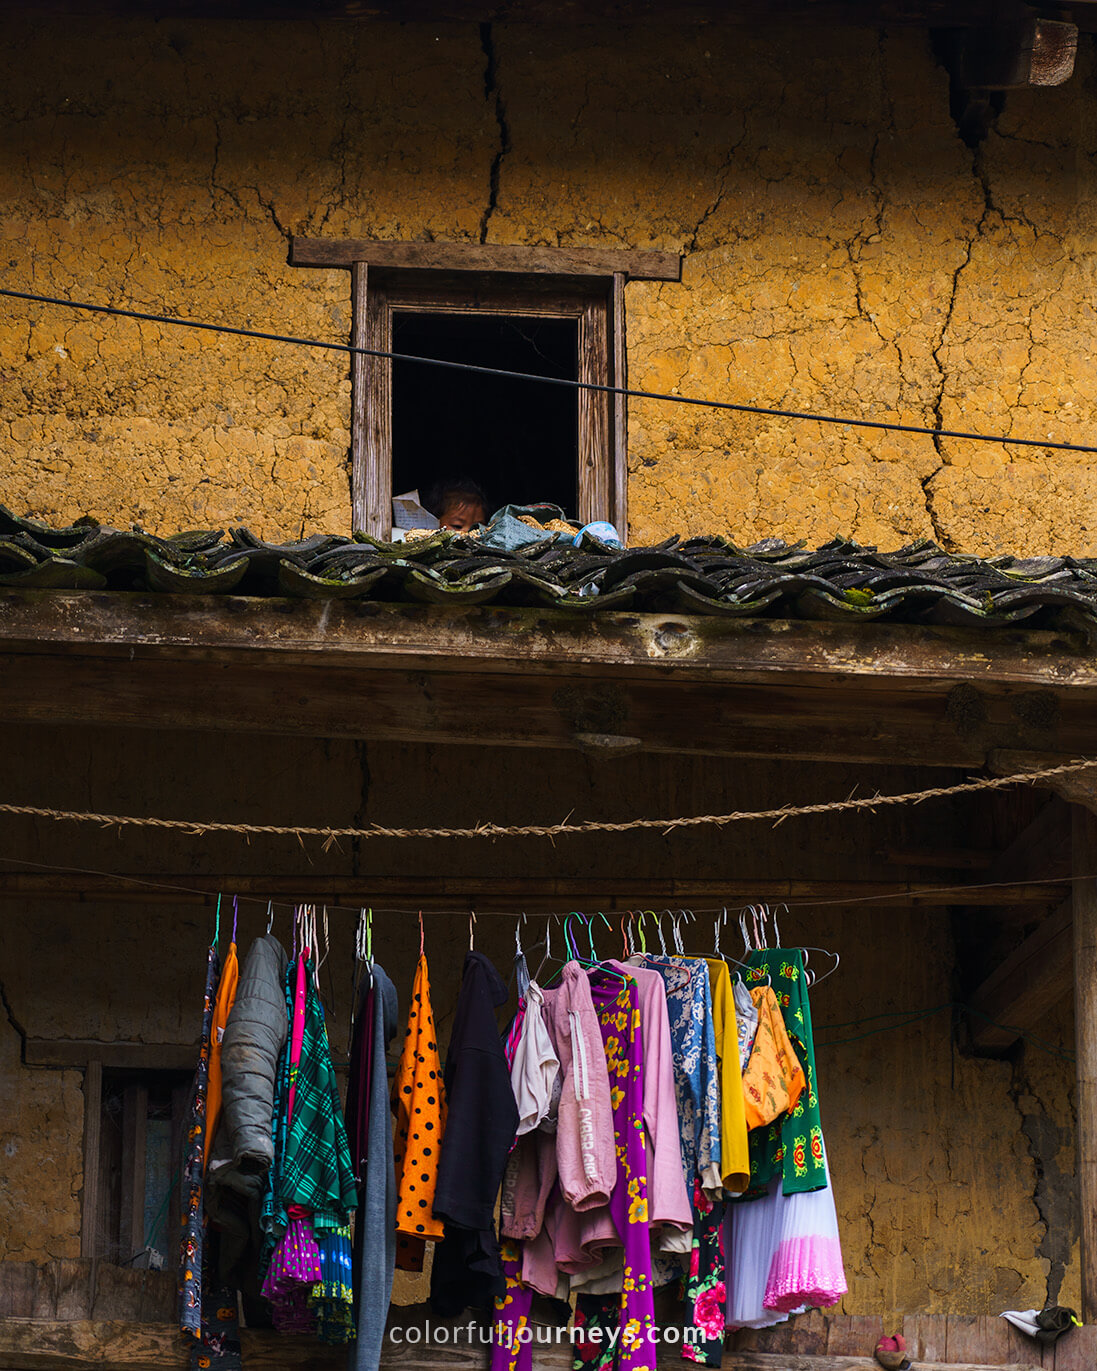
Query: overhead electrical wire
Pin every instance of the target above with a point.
(766, 411)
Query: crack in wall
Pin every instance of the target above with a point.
(980, 174)
(15, 1023)
(492, 92)
(1054, 1192)
(717, 200)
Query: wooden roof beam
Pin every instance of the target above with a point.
(557, 642)
(1025, 986)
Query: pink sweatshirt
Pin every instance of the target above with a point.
(587, 1241)
(586, 1155)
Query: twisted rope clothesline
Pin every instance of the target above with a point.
(197, 828)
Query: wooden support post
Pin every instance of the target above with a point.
(93, 1114)
(1084, 861)
(619, 507)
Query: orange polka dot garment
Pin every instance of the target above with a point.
(419, 1104)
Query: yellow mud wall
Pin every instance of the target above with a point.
(845, 252)
(953, 1176)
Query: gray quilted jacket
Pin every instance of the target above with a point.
(254, 1036)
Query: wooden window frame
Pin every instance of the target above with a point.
(147, 1060)
(587, 285)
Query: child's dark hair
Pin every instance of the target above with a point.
(441, 493)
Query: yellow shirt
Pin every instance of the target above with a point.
(734, 1153)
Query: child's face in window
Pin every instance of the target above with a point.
(461, 514)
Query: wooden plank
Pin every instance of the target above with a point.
(17, 1282)
(619, 515)
(41, 1345)
(135, 1110)
(854, 1335)
(364, 460)
(802, 723)
(1026, 985)
(968, 1339)
(503, 895)
(77, 1052)
(93, 1118)
(595, 449)
(1040, 849)
(926, 1336)
(809, 723)
(511, 640)
(1084, 860)
(1076, 1350)
(806, 1334)
(127, 1295)
(1019, 1347)
(63, 1289)
(486, 257)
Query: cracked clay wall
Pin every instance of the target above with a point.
(953, 1176)
(844, 251)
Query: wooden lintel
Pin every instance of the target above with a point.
(79, 1052)
(506, 894)
(486, 257)
(1028, 983)
(556, 642)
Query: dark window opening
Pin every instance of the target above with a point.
(518, 439)
(142, 1127)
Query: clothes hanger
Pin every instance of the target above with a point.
(550, 919)
(817, 980)
(217, 924)
(593, 964)
(472, 927)
(270, 916)
(718, 952)
(521, 974)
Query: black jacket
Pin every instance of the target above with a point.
(481, 1121)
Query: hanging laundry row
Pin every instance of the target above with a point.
(644, 1121)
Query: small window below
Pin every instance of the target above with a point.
(519, 440)
(131, 1204)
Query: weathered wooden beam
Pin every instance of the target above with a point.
(1041, 849)
(93, 1121)
(1084, 861)
(507, 894)
(492, 710)
(489, 257)
(562, 643)
(94, 1054)
(1077, 789)
(1026, 985)
(41, 1345)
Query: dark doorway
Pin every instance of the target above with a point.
(518, 439)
